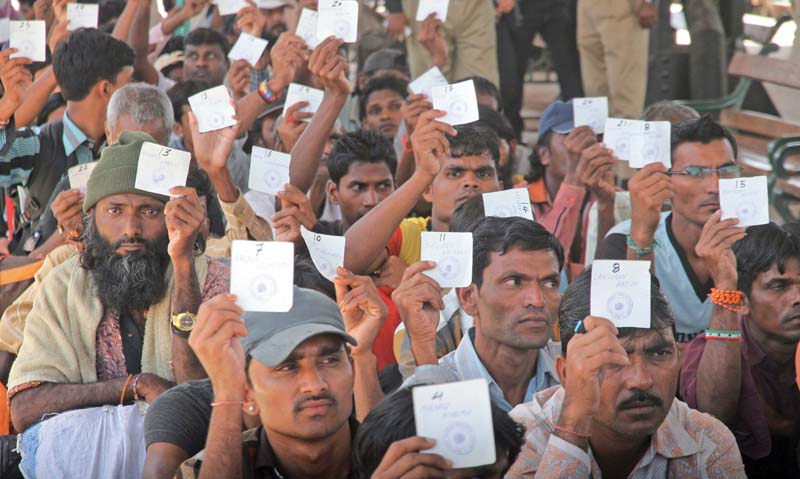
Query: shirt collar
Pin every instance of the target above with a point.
(471, 367)
(73, 137)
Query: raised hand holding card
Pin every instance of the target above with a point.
(746, 199)
(161, 168)
(262, 275)
(29, 37)
(297, 93)
(459, 100)
(458, 416)
(248, 47)
(327, 252)
(508, 203)
(425, 82)
(338, 18)
(79, 175)
(438, 7)
(591, 111)
(452, 253)
(269, 170)
(213, 109)
(621, 292)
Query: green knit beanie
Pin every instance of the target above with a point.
(115, 172)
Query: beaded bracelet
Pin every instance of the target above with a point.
(641, 251)
(722, 335)
(266, 92)
(730, 300)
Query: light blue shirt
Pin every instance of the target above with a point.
(464, 364)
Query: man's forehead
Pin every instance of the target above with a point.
(203, 47)
(321, 344)
(647, 338)
(131, 199)
(542, 262)
(359, 170)
(470, 161)
(791, 271)
(717, 152)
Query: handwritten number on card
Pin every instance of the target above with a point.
(615, 268)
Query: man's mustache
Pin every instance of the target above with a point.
(639, 399)
(325, 396)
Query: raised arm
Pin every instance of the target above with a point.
(719, 373)
(368, 237)
(331, 69)
(139, 40)
(287, 54)
(184, 216)
(364, 314)
(650, 187)
(215, 340)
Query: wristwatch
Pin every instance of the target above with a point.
(182, 324)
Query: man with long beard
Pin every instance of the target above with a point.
(110, 326)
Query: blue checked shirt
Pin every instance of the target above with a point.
(17, 157)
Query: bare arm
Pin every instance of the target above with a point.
(187, 298)
(28, 406)
(223, 450)
(366, 387)
(35, 98)
(719, 373)
(331, 69)
(139, 40)
(368, 237)
(125, 20)
(163, 459)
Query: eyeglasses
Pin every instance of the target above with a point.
(725, 172)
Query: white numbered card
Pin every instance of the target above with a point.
(82, 15)
(591, 111)
(639, 142)
(269, 170)
(213, 109)
(29, 38)
(262, 275)
(249, 48)
(508, 203)
(230, 7)
(621, 292)
(161, 168)
(459, 100)
(298, 93)
(79, 175)
(452, 253)
(327, 251)
(656, 147)
(338, 18)
(425, 82)
(746, 199)
(307, 27)
(5, 29)
(437, 7)
(458, 416)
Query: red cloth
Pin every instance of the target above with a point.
(384, 342)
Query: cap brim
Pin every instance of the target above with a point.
(275, 350)
(564, 128)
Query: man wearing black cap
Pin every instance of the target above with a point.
(297, 371)
(566, 164)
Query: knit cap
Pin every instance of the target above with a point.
(115, 172)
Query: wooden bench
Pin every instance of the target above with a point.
(765, 141)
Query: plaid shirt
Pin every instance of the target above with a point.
(243, 222)
(688, 444)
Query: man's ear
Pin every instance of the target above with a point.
(103, 88)
(544, 155)
(745, 305)
(250, 406)
(333, 192)
(468, 298)
(561, 369)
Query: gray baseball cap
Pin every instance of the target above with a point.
(271, 337)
